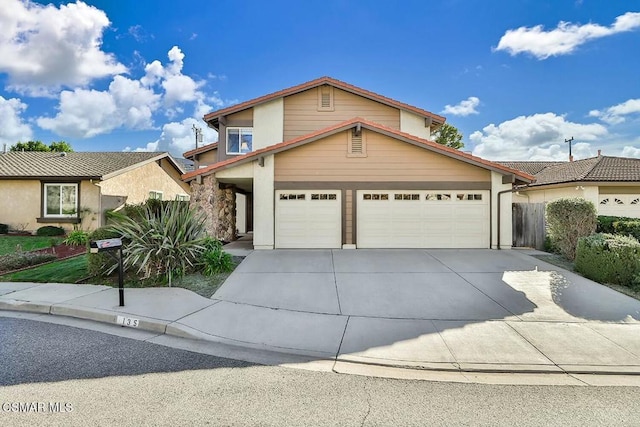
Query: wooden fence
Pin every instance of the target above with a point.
(529, 226)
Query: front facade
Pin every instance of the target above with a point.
(76, 189)
(328, 165)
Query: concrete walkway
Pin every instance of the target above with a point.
(456, 314)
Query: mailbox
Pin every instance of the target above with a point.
(96, 246)
(109, 245)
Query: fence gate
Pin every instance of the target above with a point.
(529, 226)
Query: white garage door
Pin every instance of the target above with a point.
(308, 219)
(423, 219)
(620, 205)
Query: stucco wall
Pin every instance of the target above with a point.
(268, 123)
(414, 124)
(137, 183)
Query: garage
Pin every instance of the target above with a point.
(627, 205)
(423, 219)
(308, 219)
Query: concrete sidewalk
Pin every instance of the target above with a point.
(379, 312)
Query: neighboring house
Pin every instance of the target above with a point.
(326, 164)
(611, 183)
(67, 189)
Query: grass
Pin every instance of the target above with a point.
(66, 271)
(8, 244)
(74, 269)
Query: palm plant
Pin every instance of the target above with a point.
(161, 242)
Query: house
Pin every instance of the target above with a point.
(611, 183)
(67, 189)
(326, 164)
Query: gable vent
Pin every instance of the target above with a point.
(325, 98)
(356, 143)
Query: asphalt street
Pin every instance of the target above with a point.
(110, 380)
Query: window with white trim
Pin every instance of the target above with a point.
(292, 196)
(60, 200)
(324, 196)
(438, 196)
(375, 196)
(239, 140)
(182, 197)
(156, 195)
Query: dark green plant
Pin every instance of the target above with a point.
(4, 228)
(161, 243)
(214, 259)
(100, 263)
(567, 221)
(605, 223)
(19, 260)
(50, 230)
(77, 238)
(609, 258)
(628, 227)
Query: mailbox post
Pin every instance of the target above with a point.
(110, 245)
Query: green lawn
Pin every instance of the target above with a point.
(67, 271)
(8, 244)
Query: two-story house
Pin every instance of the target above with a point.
(326, 164)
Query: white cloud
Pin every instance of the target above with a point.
(464, 108)
(616, 114)
(178, 137)
(629, 151)
(43, 48)
(86, 113)
(535, 137)
(563, 39)
(12, 128)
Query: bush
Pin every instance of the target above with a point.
(19, 260)
(101, 263)
(4, 228)
(568, 220)
(77, 238)
(50, 230)
(163, 242)
(214, 259)
(608, 258)
(605, 223)
(630, 227)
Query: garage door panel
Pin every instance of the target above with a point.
(422, 219)
(308, 219)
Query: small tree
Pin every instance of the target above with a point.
(568, 220)
(449, 136)
(30, 146)
(60, 147)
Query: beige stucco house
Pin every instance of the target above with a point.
(67, 189)
(611, 183)
(326, 164)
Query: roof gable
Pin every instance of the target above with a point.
(88, 165)
(349, 124)
(213, 116)
(200, 150)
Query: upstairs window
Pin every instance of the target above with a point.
(239, 140)
(61, 200)
(155, 195)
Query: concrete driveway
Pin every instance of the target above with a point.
(440, 309)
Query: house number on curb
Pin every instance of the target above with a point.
(127, 321)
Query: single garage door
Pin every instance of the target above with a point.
(423, 219)
(308, 219)
(620, 205)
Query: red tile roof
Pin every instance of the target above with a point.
(433, 146)
(199, 150)
(318, 82)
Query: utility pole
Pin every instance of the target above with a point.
(570, 140)
(198, 132)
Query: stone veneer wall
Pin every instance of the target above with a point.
(218, 205)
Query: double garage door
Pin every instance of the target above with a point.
(384, 219)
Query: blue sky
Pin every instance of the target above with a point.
(515, 77)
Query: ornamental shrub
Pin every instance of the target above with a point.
(19, 260)
(609, 258)
(630, 227)
(50, 230)
(568, 220)
(214, 259)
(163, 242)
(77, 238)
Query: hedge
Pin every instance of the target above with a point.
(619, 225)
(50, 230)
(567, 221)
(19, 260)
(609, 258)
